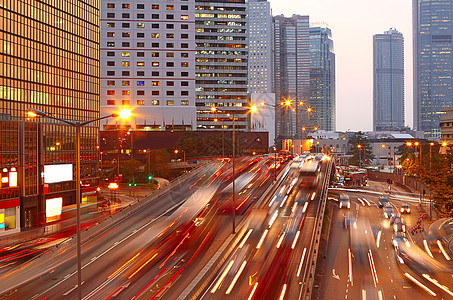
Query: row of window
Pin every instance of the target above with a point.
(153, 45)
(142, 102)
(141, 82)
(142, 64)
(153, 16)
(142, 93)
(142, 73)
(141, 54)
(142, 25)
(153, 35)
(142, 6)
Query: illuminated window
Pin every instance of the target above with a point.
(155, 54)
(184, 17)
(125, 63)
(126, 6)
(170, 54)
(154, 35)
(125, 54)
(184, 54)
(111, 25)
(126, 83)
(184, 102)
(126, 102)
(155, 64)
(155, 83)
(110, 82)
(170, 7)
(110, 102)
(126, 34)
(170, 35)
(184, 64)
(155, 6)
(110, 5)
(110, 44)
(110, 92)
(140, 83)
(154, 102)
(140, 25)
(125, 92)
(140, 102)
(170, 102)
(110, 34)
(140, 64)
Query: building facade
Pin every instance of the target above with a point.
(322, 80)
(388, 80)
(446, 126)
(433, 62)
(291, 81)
(148, 64)
(49, 61)
(221, 64)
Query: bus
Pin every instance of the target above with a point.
(285, 154)
(309, 173)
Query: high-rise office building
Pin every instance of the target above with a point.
(388, 80)
(148, 64)
(321, 113)
(259, 30)
(221, 64)
(433, 62)
(49, 60)
(291, 73)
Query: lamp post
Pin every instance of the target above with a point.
(77, 125)
(360, 155)
(184, 155)
(430, 155)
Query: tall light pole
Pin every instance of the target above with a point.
(77, 125)
(360, 155)
(430, 155)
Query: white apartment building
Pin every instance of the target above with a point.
(147, 58)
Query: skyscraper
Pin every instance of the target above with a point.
(291, 73)
(148, 64)
(221, 63)
(321, 113)
(49, 60)
(433, 62)
(388, 80)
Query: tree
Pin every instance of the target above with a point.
(129, 168)
(360, 149)
(408, 163)
(157, 161)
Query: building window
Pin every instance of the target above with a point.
(140, 83)
(140, 93)
(110, 102)
(154, 25)
(170, 26)
(125, 54)
(140, 54)
(184, 54)
(184, 83)
(125, 15)
(126, 6)
(170, 35)
(155, 54)
(126, 83)
(140, 16)
(155, 6)
(110, 44)
(155, 16)
(140, 102)
(184, 102)
(140, 73)
(170, 7)
(170, 17)
(155, 64)
(140, 25)
(155, 83)
(140, 6)
(170, 102)
(170, 64)
(184, 93)
(140, 34)
(184, 64)
(110, 82)
(125, 92)
(111, 63)
(125, 73)
(184, 26)
(111, 25)
(154, 102)
(170, 54)
(140, 45)
(184, 45)
(125, 44)
(184, 7)
(125, 63)
(140, 64)
(110, 92)
(170, 74)
(170, 45)
(126, 102)
(125, 34)
(155, 45)
(110, 73)
(110, 5)
(154, 73)
(155, 35)
(170, 83)
(125, 25)
(110, 15)
(184, 36)
(155, 93)
(110, 34)
(184, 17)
(184, 74)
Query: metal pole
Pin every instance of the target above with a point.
(234, 197)
(360, 158)
(223, 140)
(430, 148)
(79, 250)
(275, 164)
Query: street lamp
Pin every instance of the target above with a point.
(360, 155)
(184, 161)
(430, 150)
(124, 113)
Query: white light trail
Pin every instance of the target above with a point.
(253, 291)
(304, 209)
(350, 267)
(295, 239)
(301, 262)
(236, 277)
(443, 250)
(272, 220)
(313, 196)
(435, 282)
(245, 238)
(294, 207)
(420, 284)
(222, 277)
(262, 238)
(363, 295)
(272, 201)
(280, 240)
(373, 268)
(282, 294)
(427, 248)
(378, 239)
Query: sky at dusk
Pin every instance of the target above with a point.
(353, 24)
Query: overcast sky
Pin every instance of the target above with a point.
(353, 24)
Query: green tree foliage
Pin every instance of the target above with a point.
(156, 163)
(365, 153)
(129, 168)
(408, 162)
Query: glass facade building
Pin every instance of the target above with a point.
(291, 74)
(221, 64)
(49, 60)
(433, 62)
(388, 81)
(322, 79)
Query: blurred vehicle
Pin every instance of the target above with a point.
(348, 220)
(309, 173)
(383, 201)
(395, 218)
(399, 226)
(345, 202)
(388, 210)
(285, 154)
(405, 209)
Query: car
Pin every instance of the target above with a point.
(399, 227)
(395, 218)
(405, 209)
(383, 201)
(388, 210)
(345, 202)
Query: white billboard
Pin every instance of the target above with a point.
(57, 173)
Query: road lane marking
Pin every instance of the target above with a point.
(68, 292)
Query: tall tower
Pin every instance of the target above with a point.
(388, 80)
(433, 62)
(148, 64)
(291, 73)
(221, 64)
(321, 112)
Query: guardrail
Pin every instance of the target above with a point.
(312, 258)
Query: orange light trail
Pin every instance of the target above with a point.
(142, 266)
(125, 264)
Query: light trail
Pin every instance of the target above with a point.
(427, 248)
(304, 209)
(253, 291)
(350, 267)
(272, 220)
(313, 196)
(124, 264)
(222, 277)
(283, 201)
(435, 282)
(280, 240)
(373, 268)
(245, 238)
(443, 250)
(295, 239)
(142, 266)
(420, 284)
(301, 262)
(294, 207)
(272, 201)
(262, 238)
(363, 295)
(282, 294)
(236, 277)
(378, 239)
